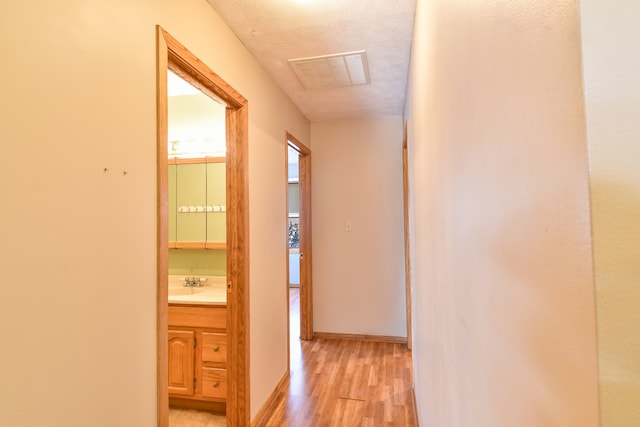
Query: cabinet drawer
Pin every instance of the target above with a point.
(197, 316)
(214, 347)
(214, 383)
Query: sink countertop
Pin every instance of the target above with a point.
(213, 291)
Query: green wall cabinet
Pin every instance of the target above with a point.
(197, 203)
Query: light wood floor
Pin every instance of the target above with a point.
(335, 383)
(345, 383)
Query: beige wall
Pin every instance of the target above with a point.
(610, 42)
(503, 288)
(358, 276)
(77, 313)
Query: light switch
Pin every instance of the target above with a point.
(347, 225)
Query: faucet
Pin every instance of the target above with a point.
(190, 282)
(193, 281)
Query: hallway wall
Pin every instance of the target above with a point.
(503, 298)
(610, 43)
(78, 257)
(358, 276)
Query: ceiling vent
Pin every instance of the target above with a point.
(331, 71)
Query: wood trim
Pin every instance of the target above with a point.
(195, 160)
(414, 402)
(187, 245)
(267, 408)
(306, 257)
(407, 254)
(306, 244)
(162, 235)
(360, 337)
(200, 405)
(298, 145)
(215, 245)
(197, 245)
(189, 67)
(174, 56)
(238, 267)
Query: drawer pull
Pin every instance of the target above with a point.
(216, 348)
(216, 384)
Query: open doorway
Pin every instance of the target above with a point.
(299, 254)
(293, 222)
(232, 385)
(197, 256)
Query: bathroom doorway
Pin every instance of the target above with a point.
(173, 56)
(197, 255)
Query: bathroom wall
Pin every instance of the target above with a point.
(503, 290)
(78, 105)
(197, 262)
(196, 118)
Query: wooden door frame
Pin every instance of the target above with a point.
(407, 232)
(306, 288)
(173, 55)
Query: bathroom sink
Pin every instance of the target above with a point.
(213, 292)
(186, 290)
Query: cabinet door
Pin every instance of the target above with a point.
(181, 359)
(216, 196)
(173, 207)
(191, 181)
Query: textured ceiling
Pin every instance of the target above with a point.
(278, 30)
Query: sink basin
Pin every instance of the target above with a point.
(186, 290)
(213, 292)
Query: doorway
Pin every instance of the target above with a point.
(171, 55)
(293, 237)
(407, 233)
(299, 252)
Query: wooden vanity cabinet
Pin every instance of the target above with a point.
(197, 354)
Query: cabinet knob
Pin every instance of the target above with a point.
(216, 384)
(216, 348)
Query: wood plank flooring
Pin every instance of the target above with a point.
(345, 383)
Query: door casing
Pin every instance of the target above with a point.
(407, 232)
